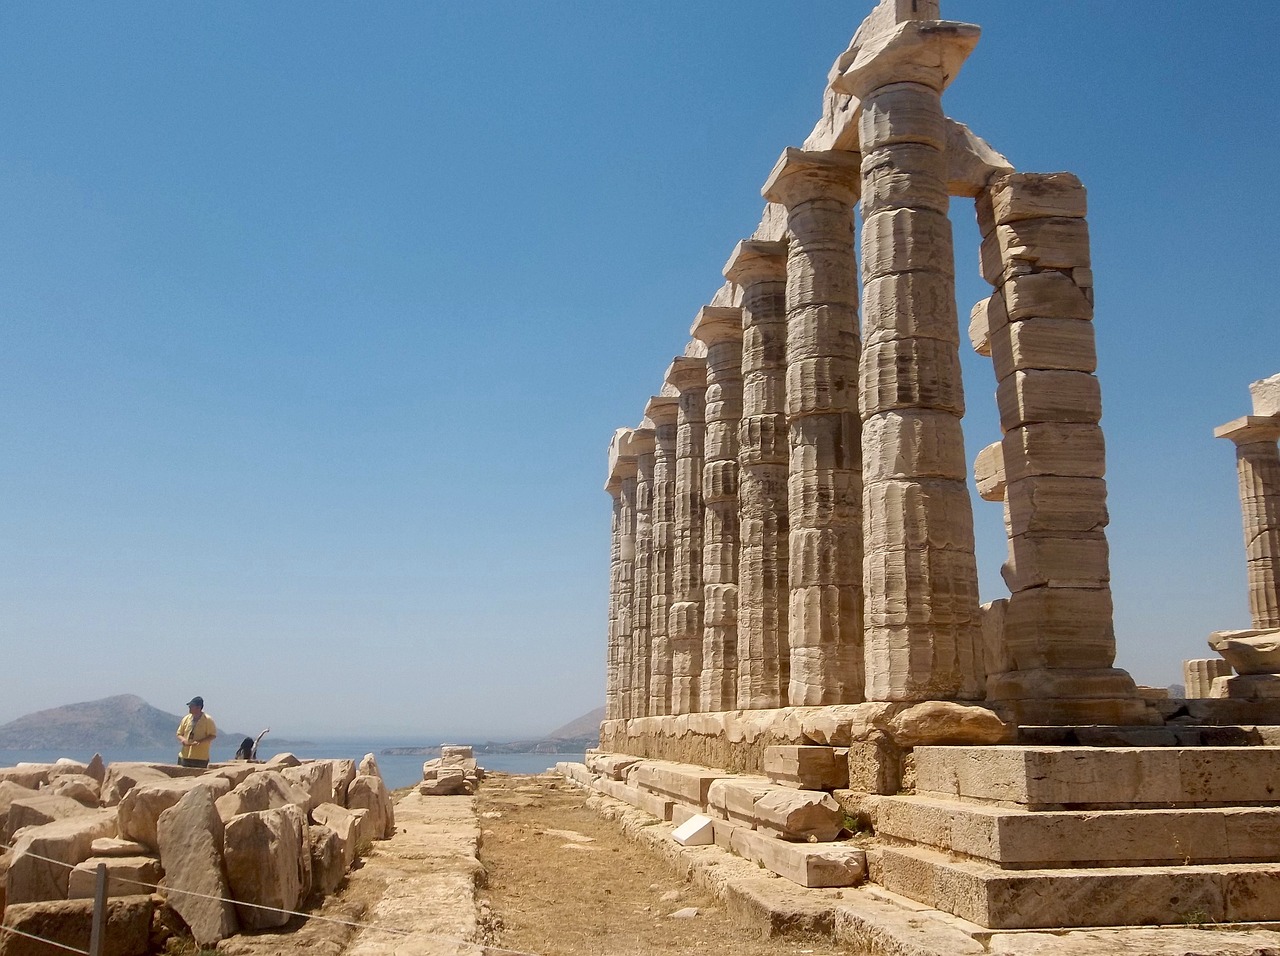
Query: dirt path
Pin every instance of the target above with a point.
(563, 881)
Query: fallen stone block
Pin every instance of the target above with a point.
(684, 782)
(38, 809)
(80, 787)
(368, 792)
(314, 778)
(696, 831)
(280, 761)
(10, 791)
(946, 722)
(114, 846)
(30, 775)
(141, 807)
(614, 766)
(67, 842)
(809, 864)
(734, 798)
(190, 835)
(120, 778)
(799, 815)
(328, 863)
(69, 923)
(650, 803)
(369, 766)
(268, 860)
(126, 876)
(265, 790)
(347, 824)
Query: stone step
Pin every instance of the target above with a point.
(678, 781)
(1102, 777)
(1017, 838)
(1107, 896)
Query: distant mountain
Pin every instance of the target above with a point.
(110, 723)
(588, 725)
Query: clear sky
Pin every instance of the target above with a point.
(317, 318)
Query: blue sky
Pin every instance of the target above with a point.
(317, 319)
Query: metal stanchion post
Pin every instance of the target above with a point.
(98, 931)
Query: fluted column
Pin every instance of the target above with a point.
(662, 412)
(642, 445)
(923, 626)
(621, 485)
(720, 329)
(824, 482)
(612, 696)
(1258, 468)
(688, 376)
(759, 269)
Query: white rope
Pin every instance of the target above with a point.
(41, 939)
(275, 909)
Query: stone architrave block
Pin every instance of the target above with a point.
(67, 842)
(1010, 197)
(812, 865)
(268, 861)
(1066, 450)
(1029, 398)
(328, 865)
(265, 790)
(141, 807)
(1265, 395)
(368, 792)
(988, 472)
(696, 831)
(68, 925)
(1059, 560)
(909, 305)
(190, 835)
(1249, 651)
(1055, 504)
(36, 808)
(126, 876)
(346, 824)
(1045, 295)
(1046, 344)
(799, 815)
(314, 778)
(807, 768)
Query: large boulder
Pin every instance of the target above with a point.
(280, 761)
(344, 771)
(141, 807)
(32, 876)
(265, 790)
(237, 773)
(368, 792)
(195, 883)
(9, 792)
(369, 766)
(33, 776)
(39, 809)
(328, 864)
(126, 876)
(68, 923)
(120, 778)
(946, 722)
(347, 824)
(268, 860)
(315, 778)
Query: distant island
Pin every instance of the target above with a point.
(576, 736)
(123, 721)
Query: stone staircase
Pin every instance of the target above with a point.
(1015, 837)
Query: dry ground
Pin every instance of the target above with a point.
(562, 881)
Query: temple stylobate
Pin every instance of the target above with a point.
(801, 532)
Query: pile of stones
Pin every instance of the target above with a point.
(186, 851)
(455, 771)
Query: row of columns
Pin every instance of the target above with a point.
(805, 511)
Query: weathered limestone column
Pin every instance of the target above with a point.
(1258, 468)
(720, 329)
(1058, 628)
(1198, 675)
(923, 627)
(662, 412)
(642, 445)
(622, 486)
(759, 269)
(824, 484)
(689, 377)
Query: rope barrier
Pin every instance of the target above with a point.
(393, 930)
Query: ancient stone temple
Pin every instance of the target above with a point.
(794, 583)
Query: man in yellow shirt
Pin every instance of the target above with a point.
(195, 733)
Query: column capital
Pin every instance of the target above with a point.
(642, 441)
(1250, 429)
(622, 460)
(686, 372)
(716, 325)
(757, 260)
(801, 175)
(662, 410)
(929, 52)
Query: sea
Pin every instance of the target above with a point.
(398, 770)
